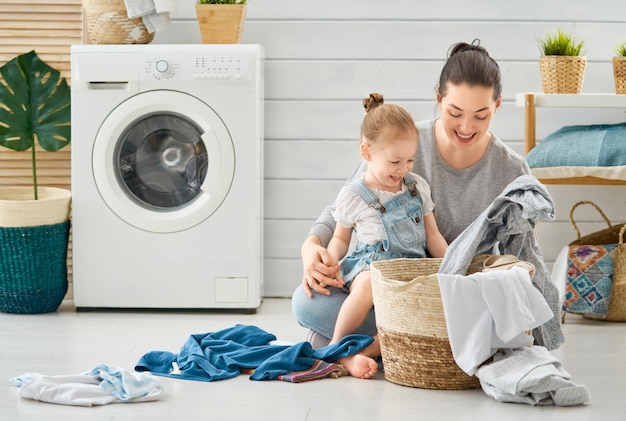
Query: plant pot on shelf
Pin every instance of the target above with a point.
(34, 238)
(221, 23)
(619, 73)
(108, 23)
(562, 74)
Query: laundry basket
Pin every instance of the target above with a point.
(108, 23)
(412, 326)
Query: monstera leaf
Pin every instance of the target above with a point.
(34, 107)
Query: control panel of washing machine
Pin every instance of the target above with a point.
(220, 67)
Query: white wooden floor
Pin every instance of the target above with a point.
(67, 342)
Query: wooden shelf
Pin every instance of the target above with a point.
(530, 101)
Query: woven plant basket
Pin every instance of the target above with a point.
(33, 249)
(619, 74)
(108, 23)
(33, 272)
(562, 74)
(221, 23)
(412, 327)
(613, 234)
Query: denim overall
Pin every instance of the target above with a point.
(403, 220)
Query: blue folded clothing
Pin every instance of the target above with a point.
(597, 145)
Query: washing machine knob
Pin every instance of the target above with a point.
(163, 68)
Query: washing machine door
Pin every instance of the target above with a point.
(163, 161)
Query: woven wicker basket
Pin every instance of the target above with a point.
(614, 234)
(108, 23)
(562, 74)
(619, 74)
(617, 305)
(608, 235)
(412, 327)
(33, 285)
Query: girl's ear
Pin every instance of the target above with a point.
(365, 150)
(437, 95)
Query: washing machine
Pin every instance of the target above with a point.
(167, 176)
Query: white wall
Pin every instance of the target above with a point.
(324, 56)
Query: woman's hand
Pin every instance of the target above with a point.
(320, 271)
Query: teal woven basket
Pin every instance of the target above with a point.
(33, 268)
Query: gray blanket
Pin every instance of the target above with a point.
(507, 227)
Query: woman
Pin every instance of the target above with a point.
(466, 166)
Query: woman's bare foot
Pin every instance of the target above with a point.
(359, 365)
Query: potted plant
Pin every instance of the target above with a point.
(221, 21)
(619, 68)
(34, 222)
(562, 64)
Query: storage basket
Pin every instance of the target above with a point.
(613, 234)
(33, 285)
(617, 304)
(619, 74)
(412, 327)
(562, 74)
(108, 23)
(608, 235)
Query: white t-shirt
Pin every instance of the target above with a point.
(353, 212)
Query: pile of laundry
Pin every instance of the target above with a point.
(228, 353)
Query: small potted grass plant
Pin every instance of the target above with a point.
(221, 21)
(619, 68)
(34, 221)
(562, 63)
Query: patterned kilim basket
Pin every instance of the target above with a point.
(619, 74)
(562, 74)
(617, 305)
(610, 237)
(108, 23)
(33, 285)
(412, 326)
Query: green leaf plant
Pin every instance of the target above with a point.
(560, 44)
(620, 49)
(34, 107)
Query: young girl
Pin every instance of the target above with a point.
(389, 208)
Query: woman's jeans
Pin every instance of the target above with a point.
(320, 312)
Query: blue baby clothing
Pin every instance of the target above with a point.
(403, 220)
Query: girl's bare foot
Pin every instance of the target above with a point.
(359, 365)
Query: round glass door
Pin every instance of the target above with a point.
(163, 161)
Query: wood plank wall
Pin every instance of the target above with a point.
(323, 57)
(49, 27)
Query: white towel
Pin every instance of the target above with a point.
(101, 385)
(155, 14)
(486, 311)
(530, 375)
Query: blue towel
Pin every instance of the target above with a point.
(226, 353)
